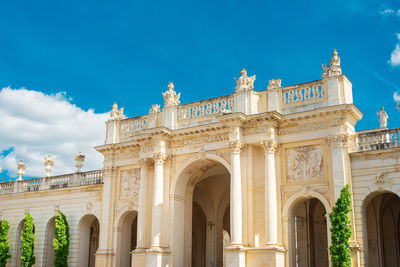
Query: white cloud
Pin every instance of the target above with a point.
(396, 96)
(395, 56)
(33, 124)
(386, 12)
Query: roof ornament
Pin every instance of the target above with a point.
(21, 167)
(244, 83)
(170, 97)
(154, 109)
(48, 162)
(116, 114)
(79, 158)
(383, 118)
(334, 69)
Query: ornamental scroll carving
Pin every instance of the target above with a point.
(130, 183)
(304, 163)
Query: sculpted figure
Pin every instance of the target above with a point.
(383, 117)
(334, 69)
(170, 97)
(244, 82)
(116, 114)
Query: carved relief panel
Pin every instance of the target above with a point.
(130, 183)
(304, 163)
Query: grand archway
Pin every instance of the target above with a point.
(126, 237)
(89, 228)
(308, 234)
(383, 230)
(200, 203)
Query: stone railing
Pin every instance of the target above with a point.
(378, 139)
(52, 182)
(304, 94)
(204, 110)
(128, 127)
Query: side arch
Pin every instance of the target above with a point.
(304, 195)
(88, 228)
(48, 250)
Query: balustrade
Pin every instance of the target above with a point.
(129, 126)
(206, 108)
(53, 182)
(378, 139)
(303, 94)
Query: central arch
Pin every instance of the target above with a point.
(199, 198)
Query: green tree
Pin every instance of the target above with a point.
(61, 241)
(341, 230)
(4, 246)
(27, 239)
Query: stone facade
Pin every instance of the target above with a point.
(246, 179)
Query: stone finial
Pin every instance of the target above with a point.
(48, 162)
(276, 83)
(21, 167)
(334, 69)
(116, 114)
(170, 97)
(154, 109)
(244, 83)
(79, 158)
(383, 117)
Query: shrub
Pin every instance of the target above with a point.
(27, 239)
(61, 241)
(341, 230)
(4, 246)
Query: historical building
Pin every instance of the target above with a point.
(245, 179)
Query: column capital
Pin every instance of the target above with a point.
(159, 157)
(144, 162)
(235, 146)
(269, 146)
(339, 140)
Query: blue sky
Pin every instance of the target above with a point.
(98, 52)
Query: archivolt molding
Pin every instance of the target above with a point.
(305, 193)
(121, 211)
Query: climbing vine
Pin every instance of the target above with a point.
(61, 241)
(4, 246)
(27, 238)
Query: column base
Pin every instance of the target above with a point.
(355, 254)
(158, 257)
(269, 255)
(104, 258)
(235, 256)
(139, 257)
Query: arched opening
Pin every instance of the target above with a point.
(383, 230)
(126, 238)
(201, 207)
(309, 234)
(89, 229)
(48, 253)
(18, 243)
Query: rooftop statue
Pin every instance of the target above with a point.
(170, 97)
(116, 114)
(244, 83)
(383, 117)
(334, 69)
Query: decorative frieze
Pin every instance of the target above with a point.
(130, 183)
(204, 139)
(304, 163)
(339, 140)
(317, 125)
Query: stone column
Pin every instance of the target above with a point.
(156, 224)
(236, 195)
(105, 253)
(142, 207)
(270, 193)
